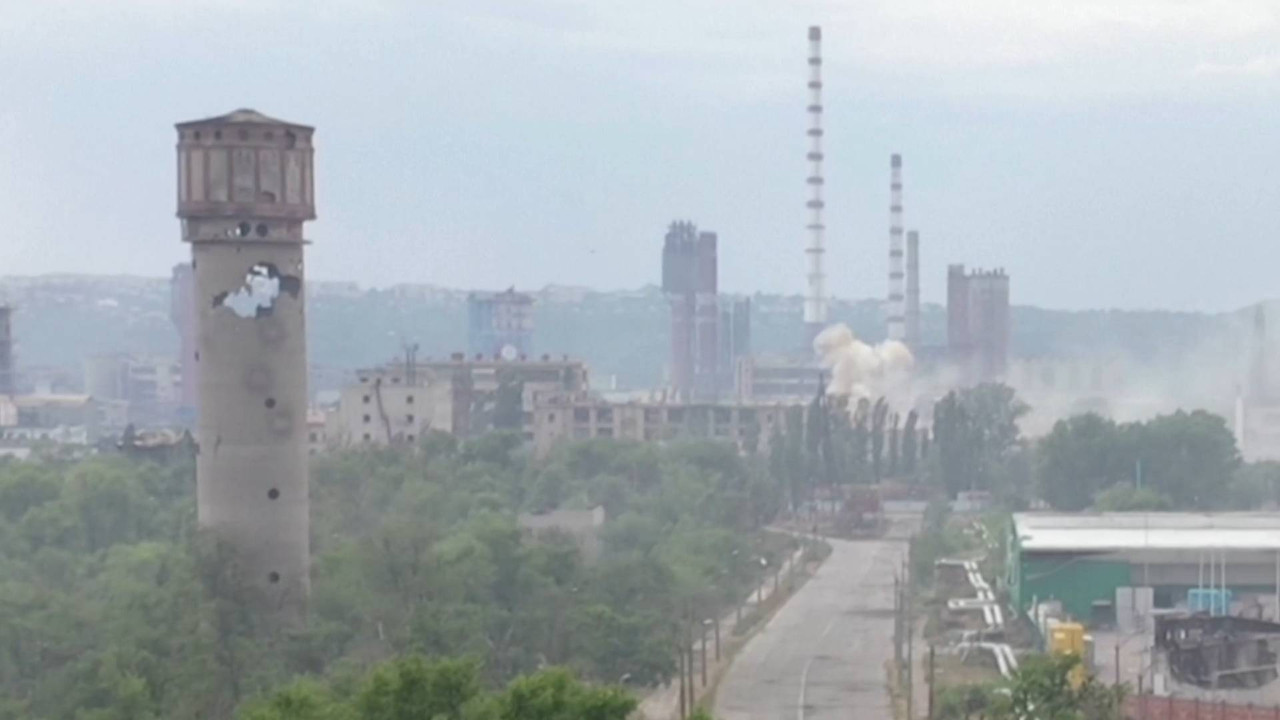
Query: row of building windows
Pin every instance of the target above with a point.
(369, 438)
(408, 399)
(407, 418)
(674, 415)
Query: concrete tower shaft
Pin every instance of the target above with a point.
(913, 290)
(8, 379)
(896, 319)
(245, 187)
(815, 304)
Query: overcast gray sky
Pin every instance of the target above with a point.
(1108, 153)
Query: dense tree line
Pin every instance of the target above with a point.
(113, 605)
(1040, 688)
(839, 441)
(1180, 461)
(1186, 460)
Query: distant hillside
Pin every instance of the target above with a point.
(61, 319)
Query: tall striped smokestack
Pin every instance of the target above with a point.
(815, 303)
(897, 331)
(913, 290)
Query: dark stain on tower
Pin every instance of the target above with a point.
(245, 188)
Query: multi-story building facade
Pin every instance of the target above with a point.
(500, 324)
(149, 388)
(750, 426)
(762, 379)
(978, 322)
(398, 403)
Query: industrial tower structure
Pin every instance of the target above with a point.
(182, 312)
(978, 322)
(815, 303)
(913, 291)
(896, 320)
(8, 379)
(245, 188)
(689, 278)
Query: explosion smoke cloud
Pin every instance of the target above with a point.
(859, 370)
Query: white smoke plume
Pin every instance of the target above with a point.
(859, 370)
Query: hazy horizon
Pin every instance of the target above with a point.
(1107, 154)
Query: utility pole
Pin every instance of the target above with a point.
(688, 648)
(932, 670)
(908, 632)
(680, 671)
(897, 623)
(717, 626)
(702, 629)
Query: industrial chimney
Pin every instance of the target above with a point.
(815, 303)
(896, 328)
(913, 290)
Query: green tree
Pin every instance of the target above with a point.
(555, 695)
(1079, 457)
(894, 456)
(879, 415)
(1040, 688)
(910, 444)
(976, 430)
(508, 404)
(1123, 497)
(411, 688)
(301, 700)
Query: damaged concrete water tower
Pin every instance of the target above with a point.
(244, 190)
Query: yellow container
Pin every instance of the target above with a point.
(1067, 638)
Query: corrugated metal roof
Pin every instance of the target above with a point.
(1039, 532)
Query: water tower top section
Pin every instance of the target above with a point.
(245, 167)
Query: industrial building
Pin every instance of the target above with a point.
(751, 426)
(66, 419)
(1257, 406)
(146, 388)
(584, 527)
(772, 379)
(400, 402)
(246, 185)
(978, 322)
(500, 324)
(1096, 565)
(709, 333)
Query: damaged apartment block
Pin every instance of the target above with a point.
(245, 188)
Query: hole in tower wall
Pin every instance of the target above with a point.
(273, 493)
(273, 577)
(270, 403)
(257, 296)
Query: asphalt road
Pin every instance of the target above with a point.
(823, 655)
